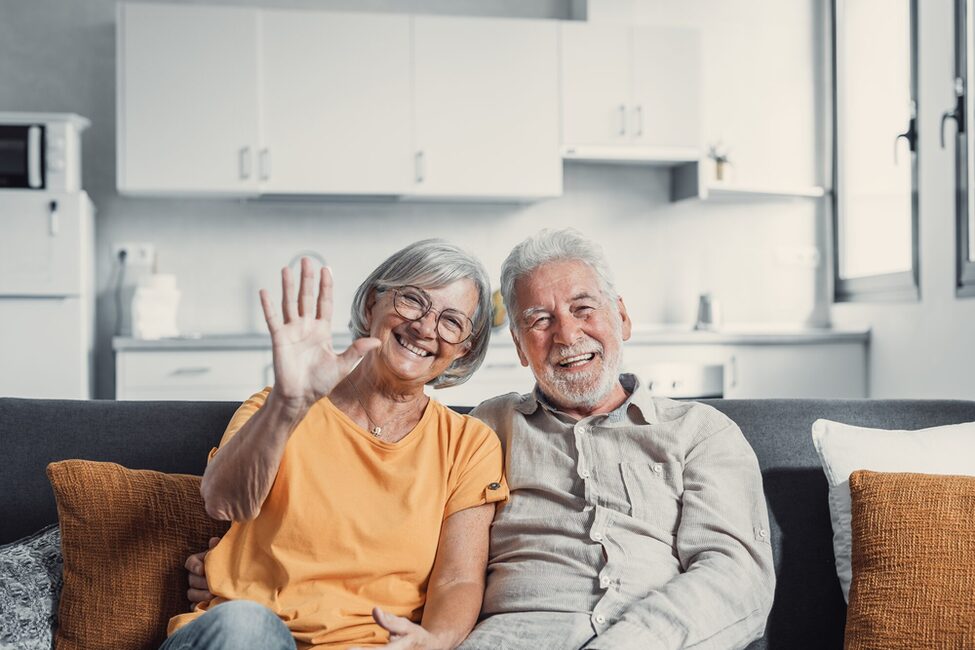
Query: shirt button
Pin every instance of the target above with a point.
(600, 619)
(494, 486)
(763, 533)
(604, 582)
(584, 473)
(657, 468)
(597, 536)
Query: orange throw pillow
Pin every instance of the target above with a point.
(913, 562)
(125, 535)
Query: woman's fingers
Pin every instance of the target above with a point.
(324, 311)
(306, 290)
(288, 302)
(270, 316)
(352, 354)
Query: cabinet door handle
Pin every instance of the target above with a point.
(622, 116)
(192, 370)
(264, 164)
(244, 163)
(419, 166)
(639, 120)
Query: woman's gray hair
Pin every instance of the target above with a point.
(551, 246)
(431, 264)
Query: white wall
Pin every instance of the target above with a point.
(927, 348)
(760, 96)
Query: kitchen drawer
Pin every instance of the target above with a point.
(191, 374)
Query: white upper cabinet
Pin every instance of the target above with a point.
(336, 103)
(486, 105)
(666, 87)
(596, 84)
(630, 92)
(187, 99)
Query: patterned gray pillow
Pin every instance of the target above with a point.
(30, 585)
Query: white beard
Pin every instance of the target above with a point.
(587, 389)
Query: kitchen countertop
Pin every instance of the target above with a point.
(759, 334)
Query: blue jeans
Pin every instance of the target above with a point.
(233, 626)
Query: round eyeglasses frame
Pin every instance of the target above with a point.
(408, 311)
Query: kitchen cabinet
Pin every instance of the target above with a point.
(244, 102)
(836, 370)
(187, 99)
(485, 103)
(630, 92)
(673, 362)
(336, 103)
(191, 374)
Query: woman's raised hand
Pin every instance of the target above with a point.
(306, 368)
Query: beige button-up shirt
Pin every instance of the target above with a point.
(650, 519)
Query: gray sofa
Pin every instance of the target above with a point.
(809, 611)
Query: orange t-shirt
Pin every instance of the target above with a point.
(352, 522)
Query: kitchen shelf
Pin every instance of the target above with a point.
(688, 184)
(719, 191)
(630, 155)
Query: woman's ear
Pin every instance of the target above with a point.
(468, 346)
(370, 303)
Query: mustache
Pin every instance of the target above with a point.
(574, 350)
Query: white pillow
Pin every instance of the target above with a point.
(844, 449)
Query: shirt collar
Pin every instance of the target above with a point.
(637, 397)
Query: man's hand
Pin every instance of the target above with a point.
(199, 591)
(404, 634)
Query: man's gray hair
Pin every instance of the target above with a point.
(552, 246)
(431, 264)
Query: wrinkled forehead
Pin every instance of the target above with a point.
(557, 284)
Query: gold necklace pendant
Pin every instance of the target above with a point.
(376, 431)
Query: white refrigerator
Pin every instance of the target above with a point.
(46, 294)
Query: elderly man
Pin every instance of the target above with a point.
(633, 521)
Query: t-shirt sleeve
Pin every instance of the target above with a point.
(243, 413)
(480, 476)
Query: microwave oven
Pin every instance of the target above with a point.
(41, 151)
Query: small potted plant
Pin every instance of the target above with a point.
(718, 153)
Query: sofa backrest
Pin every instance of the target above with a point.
(809, 611)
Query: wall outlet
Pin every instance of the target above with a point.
(136, 253)
(802, 256)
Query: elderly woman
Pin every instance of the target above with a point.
(360, 506)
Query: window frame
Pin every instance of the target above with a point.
(902, 286)
(964, 72)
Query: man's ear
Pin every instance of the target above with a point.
(521, 355)
(624, 318)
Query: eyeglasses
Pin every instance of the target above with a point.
(413, 303)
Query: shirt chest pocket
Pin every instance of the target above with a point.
(654, 492)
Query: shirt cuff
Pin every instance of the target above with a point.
(624, 635)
